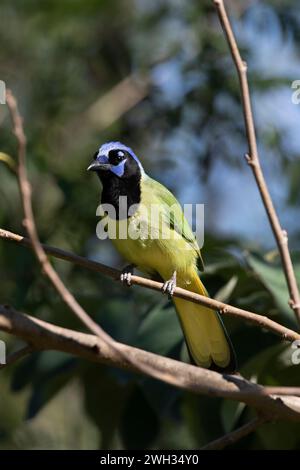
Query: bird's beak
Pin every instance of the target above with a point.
(98, 166)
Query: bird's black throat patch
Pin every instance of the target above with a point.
(114, 187)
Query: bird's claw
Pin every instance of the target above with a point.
(169, 286)
(125, 277)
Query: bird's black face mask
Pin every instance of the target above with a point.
(120, 174)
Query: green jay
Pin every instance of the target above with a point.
(166, 249)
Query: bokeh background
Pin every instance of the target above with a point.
(156, 75)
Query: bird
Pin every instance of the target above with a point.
(166, 249)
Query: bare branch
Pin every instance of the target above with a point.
(234, 436)
(254, 318)
(284, 391)
(29, 223)
(46, 336)
(253, 160)
(116, 102)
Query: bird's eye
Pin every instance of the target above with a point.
(95, 155)
(116, 156)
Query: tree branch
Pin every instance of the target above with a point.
(29, 223)
(234, 436)
(254, 318)
(46, 336)
(253, 160)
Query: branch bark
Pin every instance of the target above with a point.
(253, 160)
(225, 309)
(235, 436)
(46, 336)
(29, 223)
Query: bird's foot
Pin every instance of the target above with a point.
(127, 272)
(169, 286)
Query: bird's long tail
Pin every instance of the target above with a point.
(205, 334)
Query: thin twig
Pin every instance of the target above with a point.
(253, 160)
(29, 223)
(251, 317)
(46, 336)
(284, 391)
(15, 356)
(234, 436)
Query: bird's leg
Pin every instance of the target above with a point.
(127, 272)
(169, 286)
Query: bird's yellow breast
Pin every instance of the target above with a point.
(148, 242)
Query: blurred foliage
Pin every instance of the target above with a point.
(61, 59)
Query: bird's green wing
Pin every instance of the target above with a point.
(175, 217)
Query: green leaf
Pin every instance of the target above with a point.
(161, 396)
(262, 363)
(47, 372)
(104, 399)
(230, 414)
(40, 366)
(198, 412)
(224, 294)
(139, 424)
(272, 276)
(280, 435)
(160, 331)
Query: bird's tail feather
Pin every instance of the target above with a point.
(205, 334)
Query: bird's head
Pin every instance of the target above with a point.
(116, 159)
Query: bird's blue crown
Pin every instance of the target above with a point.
(106, 148)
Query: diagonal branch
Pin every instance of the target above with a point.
(254, 318)
(235, 436)
(29, 223)
(46, 336)
(253, 160)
